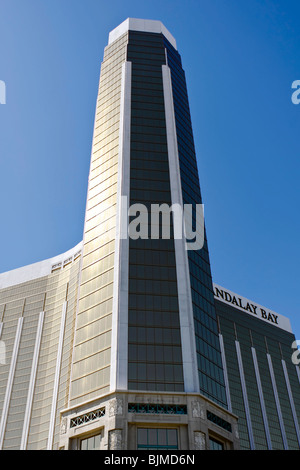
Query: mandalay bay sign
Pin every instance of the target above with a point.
(245, 305)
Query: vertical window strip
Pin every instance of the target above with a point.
(261, 399)
(245, 395)
(32, 382)
(10, 380)
(57, 377)
(277, 402)
(189, 357)
(223, 357)
(288, 386)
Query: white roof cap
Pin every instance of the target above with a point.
(147, 26)
(36, 270)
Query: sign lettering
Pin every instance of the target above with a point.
(254, 309)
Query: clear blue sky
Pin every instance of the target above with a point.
(240, 58)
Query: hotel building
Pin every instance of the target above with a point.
(262, 381)
(120, 343)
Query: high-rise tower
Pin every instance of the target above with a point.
(158, 295)
(116, 344)
(146, 327)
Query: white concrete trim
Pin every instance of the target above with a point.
(119, 346)
(10, 380)
(245, 395)
(32, 382)
(57, 376)
(147, 26)
(292, 403)
(261, 399)
(277, 402)
(188, 342)
(224, 364)
(36, 270)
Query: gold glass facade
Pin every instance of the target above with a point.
(92, 350)
(33, 332)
